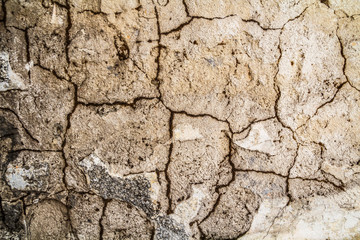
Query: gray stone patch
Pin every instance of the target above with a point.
(169, 229)
(134, 191)
(12, 215)
(131, 190)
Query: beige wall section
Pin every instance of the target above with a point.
(180, 119)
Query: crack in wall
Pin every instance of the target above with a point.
(134, 101)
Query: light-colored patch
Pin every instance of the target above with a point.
(91, 160)
(111, 7)
(345, 173)
(21, 178)
(29, 65)
(56, 19)
(188, 209)
(8, 79)
(186, 132)
(15, 178)
(267, 213)
(355, 45)
(258, 140)
(331, 217)
(155, 188)
(350, 7)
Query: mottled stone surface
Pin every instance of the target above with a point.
(85, 215)
(124, 221)
(179, 119)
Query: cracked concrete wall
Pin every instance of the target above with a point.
(180, 119)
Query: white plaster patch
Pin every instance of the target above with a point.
(258, 140)
(188, 209)
(331, 217)
(155, 188)
(56, 19)
(18, 178)
(267, 212)
(15, 178)
(8, 79)
(186, 132)
(91, 160)
(350, 7)
(29, 65)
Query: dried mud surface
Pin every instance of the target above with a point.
(179, 119)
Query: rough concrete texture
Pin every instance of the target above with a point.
(180, 119)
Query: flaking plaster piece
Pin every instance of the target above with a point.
(9, 79)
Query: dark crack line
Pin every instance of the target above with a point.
(179, 28)
(287, 186)
(67, 31)
(323, 105)
(195, 115)
(219, 187)
(268, 155)
(186, 8)
(35, 150)
(15, 90)
(325, 173)
(3, 9)
(276, 110)
(182, 25)
(27, 41)
(105, 201)
(93, 12)
(2, 210)
(153, 233)
(259, 24)
(117, 103)
(140, 172)
(166, 171)
(249, 126)
(171, 118)
(159, 47)
(345, 59)
(69, 115)
(341, 188)
(52, 71)
(276, 217)
(66, 165)
(22, 199)
(22, 124)
(192, 17)
(260, 171)
(281, 28)
(140, 69)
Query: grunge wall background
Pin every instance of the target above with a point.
(180, 119)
